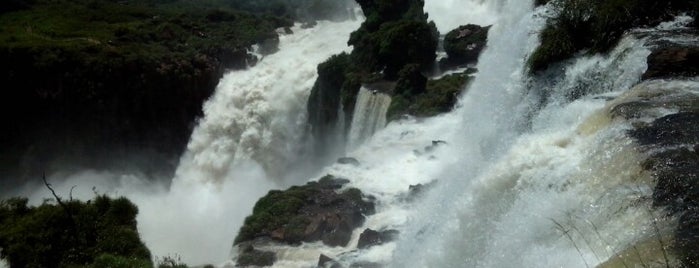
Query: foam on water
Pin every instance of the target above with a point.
(243, 146)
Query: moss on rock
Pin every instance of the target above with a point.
(439, 96)
(313, 212)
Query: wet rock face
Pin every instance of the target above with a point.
(674, 129)
(464, 44)
(671, 143)
(673, 60)
(370, 238)
(249, 256)
(348, 161)
(327, 262)
(313, 212)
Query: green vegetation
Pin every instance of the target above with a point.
(596, 26)
(279, 211)
(296, 9)
(127, 73)
(394, 35)
(98, 233)
(149, 30)
(439, 96)
(464, 44)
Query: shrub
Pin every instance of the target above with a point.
(98, 233)
(597, 25)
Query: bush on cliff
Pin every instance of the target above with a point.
(130, 75)
(311, 212)
(71, 234)
(405, 42)
(394, 35)
(439, 96)
(597, 25)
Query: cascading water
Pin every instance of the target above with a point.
(533, 173)
(528, 172)
(369, 115)
(250, 136)
(247, 143)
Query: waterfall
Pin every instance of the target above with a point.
(369, 116)
(526, 171)
(248, 142)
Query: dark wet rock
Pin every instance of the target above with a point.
(309, 24)
(417, 190)
(677, 173)
(671, 143)
(672, 129)
(327, 262)
(269, 45)
(331, 182)
(366, 265)
(249, 256)
(673, 60)
(686, 236)
(313, 212)
(370, 238)
(324, 103)
(434, 145)
(652, 96)
(348, 161)
(463, 45)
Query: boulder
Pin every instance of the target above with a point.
(249, 256)
(348, 161)
(463, 45)
(673, 60)
(675, 129)
(370, 238)
(417, 190)
(327, 262)
(309, 213)
(365, 264)
(671, 143)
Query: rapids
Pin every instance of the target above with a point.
(527, 171)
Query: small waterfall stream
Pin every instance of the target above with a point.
(369, 116)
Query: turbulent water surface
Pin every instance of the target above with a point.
(527, 171)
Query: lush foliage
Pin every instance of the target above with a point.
(597, 25)
(98, 233)
(439, 96)
(103, 29)
(279, 210)
(126, 73)
(297, 9)
(394, 35)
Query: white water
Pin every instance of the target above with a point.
(369, 116)
(521, 182)
(246, 143)
(528, 178)
(450, 14)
